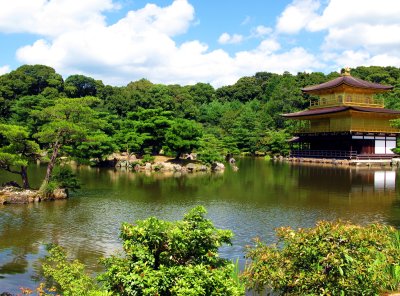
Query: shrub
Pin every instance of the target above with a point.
(47, 189)
(334, 258)
(147, 158)
(209, 156)
(65, 178)
(172, 258)
(67, 277)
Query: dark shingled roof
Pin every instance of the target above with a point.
(348, 80)
(339, 109)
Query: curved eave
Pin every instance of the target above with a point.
(348, 81)
(323, 111)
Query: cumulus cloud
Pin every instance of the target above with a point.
(225, 38)
(355, 58)
(4, 69)
(141, 44)
(51, 17)
(297, 16)
(360, 32)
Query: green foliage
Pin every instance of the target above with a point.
(275, 143)
(183, 136)
(78, 86)
(16, 150)
(138, 115)
(172, 258)
(212, 149)
(147, 158)
(48, 188)
(334, 258)
(67, 277)
(65, 178)
(96, 146)
(153, 125)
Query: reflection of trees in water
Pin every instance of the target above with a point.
(23, 228)
(18, 264)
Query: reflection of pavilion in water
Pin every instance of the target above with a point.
(354, 182)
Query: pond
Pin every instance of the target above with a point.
(251, 202)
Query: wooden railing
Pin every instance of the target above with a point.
(324, 154)
(346, 100)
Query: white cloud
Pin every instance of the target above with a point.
(141, 45)
(345, 13)
(261, 31)
(357, 58)
(297, 16)
(51, 17)
(225, 38)
(360, 32)
(4, 69)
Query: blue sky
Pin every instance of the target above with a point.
(189, 41)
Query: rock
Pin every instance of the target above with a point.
(177, 168)
(59, 193)
(147, 166)
(14, 195)
(191, 167)
(203, 168)
(232, 160)
(217, 166)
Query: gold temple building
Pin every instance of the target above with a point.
(347, 120)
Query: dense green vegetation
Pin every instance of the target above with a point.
(333, 258)
(160, 258)
(181, 258)
(84, 119)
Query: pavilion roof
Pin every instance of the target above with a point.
(321, 111)
(347, 80)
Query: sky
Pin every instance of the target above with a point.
(189, 41)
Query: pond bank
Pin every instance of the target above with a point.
(16, 195)
(394, 162)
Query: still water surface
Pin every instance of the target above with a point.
(252, 202)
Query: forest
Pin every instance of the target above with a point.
(86, 120)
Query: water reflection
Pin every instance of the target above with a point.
(252, 202)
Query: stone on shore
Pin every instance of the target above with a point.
(15, 195)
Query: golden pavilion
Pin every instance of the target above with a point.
(346, 119)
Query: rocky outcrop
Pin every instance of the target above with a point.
(15, 195)
(167, 166)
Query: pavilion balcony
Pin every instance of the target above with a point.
(343, 99)
(337, 125)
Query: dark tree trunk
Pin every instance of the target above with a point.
(24, 176)
(52, 162)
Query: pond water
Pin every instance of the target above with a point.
(251, 202)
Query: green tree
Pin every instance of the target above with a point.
(183, 136)
(129, 140)
(69, 121)
(97, 145)
(153, 125)
(16, 150)
(27, 80)
(78, 86)
(275, 143)
(172, 258)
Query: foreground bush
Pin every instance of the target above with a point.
(161, 258)
(330, 259)
(172, 258)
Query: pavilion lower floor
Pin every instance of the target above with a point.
(344, 145)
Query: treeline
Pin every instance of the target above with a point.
(90, 120)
